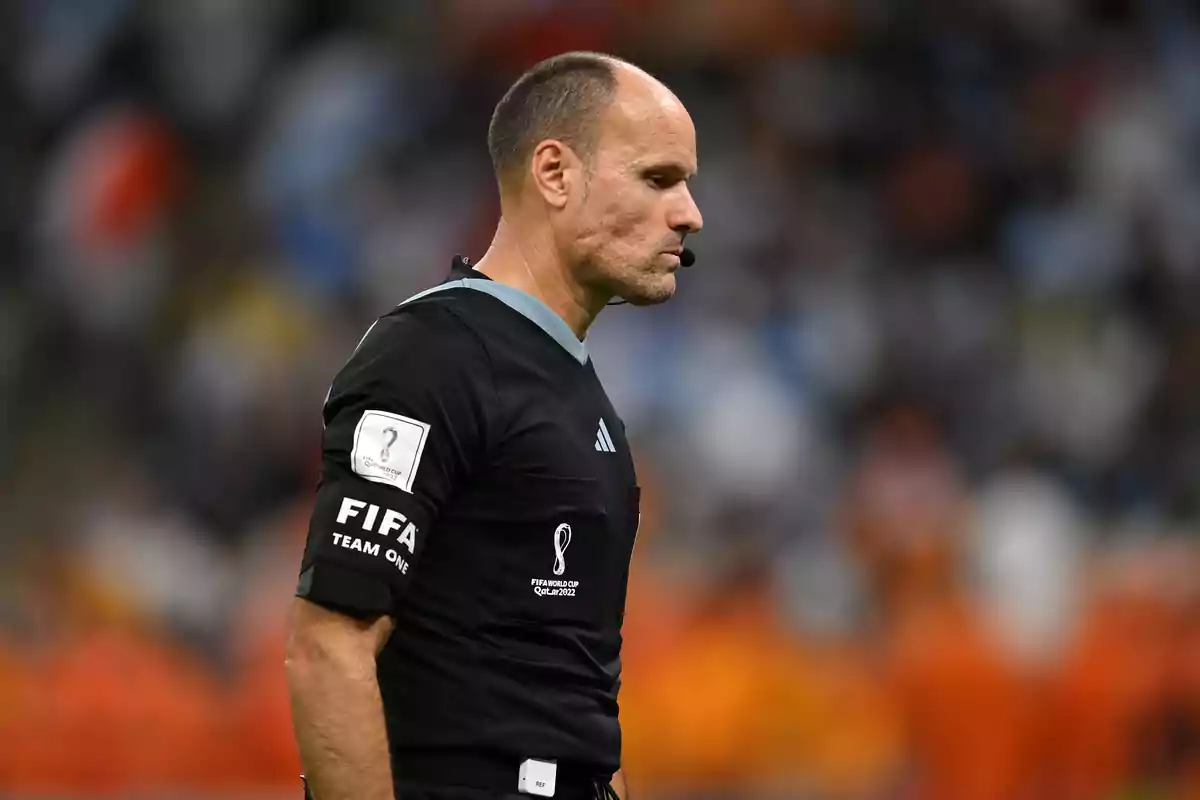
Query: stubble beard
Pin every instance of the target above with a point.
(651, 289)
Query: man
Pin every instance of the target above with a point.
(456, 631)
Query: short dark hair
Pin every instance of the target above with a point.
(560, 98)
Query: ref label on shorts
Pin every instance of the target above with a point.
(537, 777)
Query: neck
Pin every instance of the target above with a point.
(531, 263)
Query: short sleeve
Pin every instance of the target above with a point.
(405, 423)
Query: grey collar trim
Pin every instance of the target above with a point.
(525, 304)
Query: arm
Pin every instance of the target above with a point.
(618, 783)
(401, 419)
(336, 709)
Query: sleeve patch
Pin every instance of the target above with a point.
(387, 448)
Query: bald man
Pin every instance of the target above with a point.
(456, 631)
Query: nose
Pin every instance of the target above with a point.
(686, 217)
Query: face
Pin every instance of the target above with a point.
(624, 229)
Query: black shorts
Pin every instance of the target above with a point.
(416, 791)
(420, 791)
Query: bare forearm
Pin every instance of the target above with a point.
(340, 732)
(619, 785)
(336, 707)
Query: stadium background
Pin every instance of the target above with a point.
(918, 434)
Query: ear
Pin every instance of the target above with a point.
(554, 169)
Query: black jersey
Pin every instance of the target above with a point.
(477, 486)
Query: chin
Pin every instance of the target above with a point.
(659, 292)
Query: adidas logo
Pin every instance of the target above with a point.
(604, 442)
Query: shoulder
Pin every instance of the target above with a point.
(421, 348)
(433, 338)
(439, 322)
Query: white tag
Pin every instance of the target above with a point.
(387, 448)
(537, 777)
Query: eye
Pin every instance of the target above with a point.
(659, 181)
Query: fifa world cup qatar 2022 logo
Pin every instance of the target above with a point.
(391, 434)
(562, 539)
(557, 588)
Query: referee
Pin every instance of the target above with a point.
(457, 627)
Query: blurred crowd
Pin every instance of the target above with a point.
(917, 435)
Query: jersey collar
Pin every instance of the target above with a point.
(467, 277)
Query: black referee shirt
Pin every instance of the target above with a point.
(477, 486)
